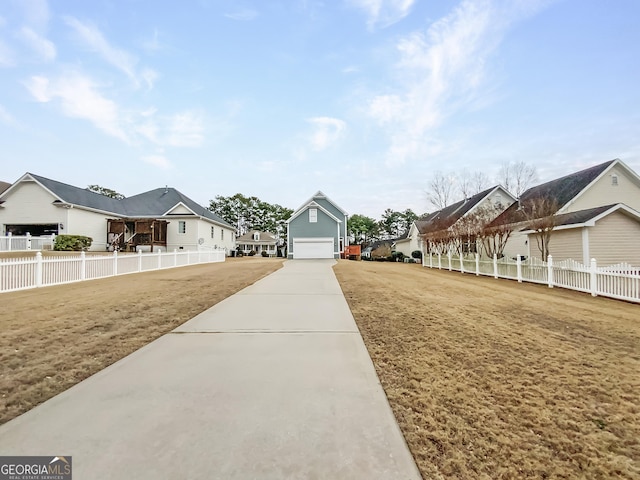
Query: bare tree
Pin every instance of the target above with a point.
(440, 190)
(471, 183)
(540, 214)
(480, 181)
(516, 177)
(494, 239)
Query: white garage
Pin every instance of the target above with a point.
(318, 247)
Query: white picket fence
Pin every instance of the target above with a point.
(621, 281)
(11, 243)
(40, 271)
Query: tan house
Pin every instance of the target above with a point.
(596, 216)
(436, 232)
(163, 218)
(257, 242)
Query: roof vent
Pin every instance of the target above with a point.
(166, 189)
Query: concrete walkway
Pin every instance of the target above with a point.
(272, 383)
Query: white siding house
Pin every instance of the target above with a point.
(39, 205)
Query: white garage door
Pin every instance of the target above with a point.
(312, 248)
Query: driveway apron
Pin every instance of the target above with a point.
(272, 383)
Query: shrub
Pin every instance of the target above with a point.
(264, 253)
(69, 243)
(416, 254)
(397, 257)
(252, 253)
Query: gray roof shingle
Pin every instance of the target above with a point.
(154, 203)
(560, 191)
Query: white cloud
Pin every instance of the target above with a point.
(185, 129)
(79, 98)
(157, 160)
(118, 58)
(43, 47)
(243, 15)
(327, 131)
(383, 13)
(443, 70)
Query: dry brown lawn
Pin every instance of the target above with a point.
(51, 338)
(491, 379)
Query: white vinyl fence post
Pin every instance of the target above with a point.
(477, 264)
(28, 241)
(9, 242)
(550, 271)
(461, 264)
(439, 261)
(430, 259)
(159, 258)
(83, 265)
(519, 268)
(593, 274)
(115, 262)
(140, 260)
(495, 265)
(38, 269)
(449, 258)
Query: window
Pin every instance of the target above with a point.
(213, 231)
(313, 215)
(182, 226)
(221, 234)
(256, 236)
(498, 200)
(614, 180)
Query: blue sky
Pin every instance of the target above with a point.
(362, 99)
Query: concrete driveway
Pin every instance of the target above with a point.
(271, 383)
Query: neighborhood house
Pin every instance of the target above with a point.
(163, 218)
(593, 213)
(317, 229)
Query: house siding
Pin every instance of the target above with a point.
(29, 203)
(615, 239)
(90, 224)
(324, 227)
(197, 228)
(330, 207)
(602, 192)
(518, 244)
(563, 245)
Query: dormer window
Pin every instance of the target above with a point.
(313, 215)
(498, 200)
(614, 180)
(256, 236)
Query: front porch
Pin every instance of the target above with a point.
(132, 235)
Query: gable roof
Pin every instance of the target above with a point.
(318, 195)
(588, 217)
(313, 204)
(160, 201)
(443, 219)
(561, 191)
(69, 194)
(264, 237)
(154, 203)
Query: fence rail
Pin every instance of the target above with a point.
(13, 243)
(39, 271)
(621, 281)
